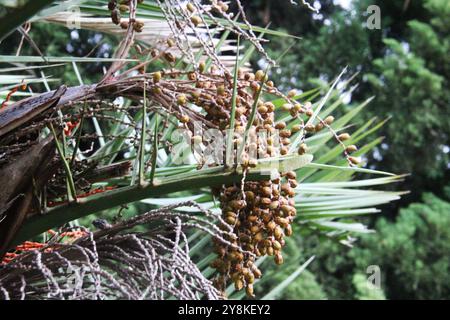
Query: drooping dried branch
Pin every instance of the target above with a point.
(116, 262)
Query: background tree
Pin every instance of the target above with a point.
(412, 252)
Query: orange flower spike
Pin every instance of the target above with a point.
(28, 245)
(23, 87)
(69, 126)
(51, 204)
(11, 255)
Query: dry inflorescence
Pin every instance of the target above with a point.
(114, 263)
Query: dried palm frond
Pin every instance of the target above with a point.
(116, 262)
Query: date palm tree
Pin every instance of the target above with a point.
(101, 198)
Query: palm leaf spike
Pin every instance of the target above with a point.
(230, 134)
(143, 137)
(72, 190)
(154, 152)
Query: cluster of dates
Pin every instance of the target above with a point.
(119, 7)
(260, 213)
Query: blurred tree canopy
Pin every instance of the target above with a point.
(412, 252)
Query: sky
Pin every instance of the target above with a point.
(343, 3)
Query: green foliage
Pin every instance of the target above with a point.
(333, 268)
(415, 102)
(412, 252)
(305, 287)
(409, 82)
(64, 43)
(20, 12)
(406, 66)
